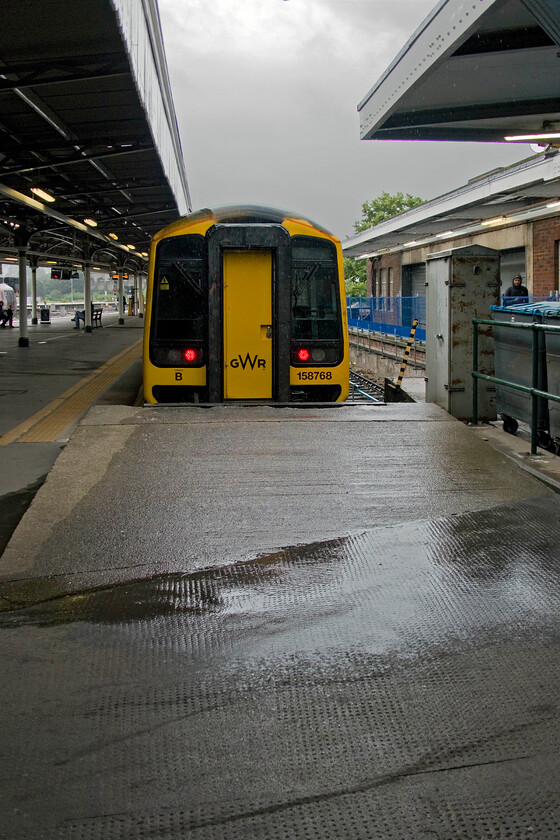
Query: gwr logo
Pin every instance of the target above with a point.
(239, 362)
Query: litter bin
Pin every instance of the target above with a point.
(551, 317)
(513, 362)
(45, 314)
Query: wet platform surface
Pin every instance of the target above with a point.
(46, 388)
(281, 623)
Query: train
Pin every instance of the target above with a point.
(245, 303)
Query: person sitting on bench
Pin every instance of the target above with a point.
(81, 316)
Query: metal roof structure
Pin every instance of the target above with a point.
(479, 70)
(86, 115)
(474, 70)
(517, 193)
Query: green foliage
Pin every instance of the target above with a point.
(355, 279)
(384, 207)
(62, 291)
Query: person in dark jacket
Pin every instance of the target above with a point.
(6, 315)
(517, 292)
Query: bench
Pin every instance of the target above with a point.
(96, 314)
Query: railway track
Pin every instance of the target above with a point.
(364, 390)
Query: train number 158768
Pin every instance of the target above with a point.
(314, 374)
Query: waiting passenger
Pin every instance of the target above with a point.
(81, 316)
(6, 315)
(517, 293)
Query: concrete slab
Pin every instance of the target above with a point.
(33, 379)
(140, 491)
(258, 622)
(397, 683)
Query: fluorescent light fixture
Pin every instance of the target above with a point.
(445, 233)
(42, 194)
(77, 224)
(145, 253)
(95, 268)
(51, 262)
(554, 204)
(132, 247)
(500, 221)
(412, 242)
(90, 222)
(113, 236)
(549, 135)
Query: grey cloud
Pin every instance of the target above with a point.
(272, 118)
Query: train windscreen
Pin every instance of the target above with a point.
(179, 301)
(315, 296)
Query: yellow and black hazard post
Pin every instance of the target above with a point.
(407, 352)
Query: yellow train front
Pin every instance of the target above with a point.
(245, 303)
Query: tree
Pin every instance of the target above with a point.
(355, 277)
(384, 207)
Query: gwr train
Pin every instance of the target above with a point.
(245, 303)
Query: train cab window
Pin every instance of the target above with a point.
(179, 296)
(315, 301)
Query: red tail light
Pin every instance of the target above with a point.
(190, 355)
(303, 354)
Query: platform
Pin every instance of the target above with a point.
(257, 622)
(47, 387)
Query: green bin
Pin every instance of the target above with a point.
(551, 317)
(513, 362)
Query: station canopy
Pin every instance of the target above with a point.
(475, 70)
(516, 194)
(479, 70)
(86, 117)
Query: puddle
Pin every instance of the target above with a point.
(396, 587)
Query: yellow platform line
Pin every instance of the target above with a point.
(48, 423)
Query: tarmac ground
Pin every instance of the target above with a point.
(47, 387)
(247, 621)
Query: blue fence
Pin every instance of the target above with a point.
(391, 315)
(394, 315)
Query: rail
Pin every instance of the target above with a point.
(368, 389)
(533, 391)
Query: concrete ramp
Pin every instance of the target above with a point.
(295, 623)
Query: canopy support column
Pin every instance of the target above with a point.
(23, 340)
(34, 319)
(140, 295)
(120, 295)
(87, 297)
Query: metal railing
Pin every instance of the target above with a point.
(389, 315)
(533, 391)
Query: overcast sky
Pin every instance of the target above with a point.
(266, 95)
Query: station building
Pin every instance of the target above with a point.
(484, 71)
(515, 211)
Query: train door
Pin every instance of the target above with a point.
(247, 324)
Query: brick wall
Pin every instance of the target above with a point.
(387, 261)
(546, 233)
(369, 275)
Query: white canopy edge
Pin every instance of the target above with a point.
(141, 29)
